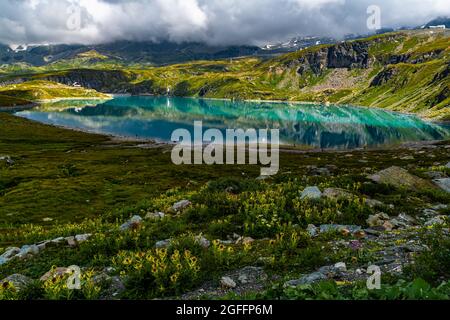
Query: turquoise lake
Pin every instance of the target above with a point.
(335, 127)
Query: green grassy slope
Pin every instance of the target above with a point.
(46, 90)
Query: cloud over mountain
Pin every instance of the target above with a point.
(211, 21)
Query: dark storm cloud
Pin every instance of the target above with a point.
(212, 21)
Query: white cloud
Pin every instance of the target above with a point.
(213, 21)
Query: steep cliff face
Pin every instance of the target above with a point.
(345, 55)
(349, 55)
(100, 80)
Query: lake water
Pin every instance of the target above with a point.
(337, 127)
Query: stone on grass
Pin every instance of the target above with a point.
(27, 251)
(10, 253)
(312, 230)
(82, 237)
(202, 241)
(154, 215)
(71, 241)
(312, 193)
(163, 244)
(436, 221)
(340, 266)
(444, 184)
(57, 272)
(377, 220)
(131, 224)
(181, 205)
(400, 178)
(18, 281)
(227, 282)
(372, 203)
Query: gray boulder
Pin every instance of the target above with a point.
(227, 282)
(27, 251)
(133, 223)
(400, 178)
(154, 215)
(202, 241)
(181, 205)
(83, 237)
(18, 281)
(312, 230)
(312, 193)
(10, 253)
(163, 244)
(444, 184)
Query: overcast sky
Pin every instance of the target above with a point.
(212, 21)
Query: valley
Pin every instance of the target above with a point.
(405, 71)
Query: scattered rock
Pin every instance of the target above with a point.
(444, 184)
(336, 193)
(18, 281)
(71, 241)
(42, 245)
(435, 174)
(312, 193)
(82, 237)
(181, 205)
(340, 266)
(155, 215)
(7, 159)
(388, 226)
(439, 206)
(57, 272)
(372, 203)
(312, 230)
(377, 219)
(227, 282)
(47, 219)
(249, 279)
(10, 253)
(447, 165)
(163, 244)
(400, 178)
(202, 241)
(435, 221)
(243, 278)
(131, 224)
(27, 251)
(58, 240)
